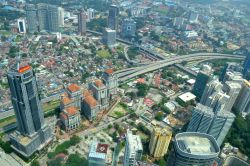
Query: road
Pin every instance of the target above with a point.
(101, 127)
(170, 61)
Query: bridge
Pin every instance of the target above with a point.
(126, 74)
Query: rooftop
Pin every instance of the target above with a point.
(187, 96)
(134, 142)
(98, 150)
(109, 71)
(66, 100)
(71, 110)
(102, 148)
(24, 68)
(89, 99)
(196, 144)
(99, 83)
(73, 88)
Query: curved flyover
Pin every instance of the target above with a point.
(133, 72)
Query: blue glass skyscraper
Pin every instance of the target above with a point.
(32, 133)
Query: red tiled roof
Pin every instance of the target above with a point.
(109, 71)
(71, 110)
(99, 83)
(73, 88)
(141, 80)
(89, 99)
(86, 93)
(66, 100)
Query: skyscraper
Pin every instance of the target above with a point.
(32, 133)
(220, 96)
(205, 120)
(159, 142)
(211, 88)
(242, 103)
(133, 149)
(91, 14)
(61, 16)
(109, 37)
(200, 83)
(111, 81)
(230, 67)
(193, 17)
(246, 65)
(218, 101)
(232, 89)
(21, 25)
(128, 28)
(82, 21)
(191, 148)
(53, 18)
(31, 17)
(113, 17)
(48, 17)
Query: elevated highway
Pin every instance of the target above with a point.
(129, 73)
(133, 72)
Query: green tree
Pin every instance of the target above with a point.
(76, 160)
(142, 89)
(159, 116)
(35, 163)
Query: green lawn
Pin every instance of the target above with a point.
(119, 111)
(120, 48)
(50, 105)
(6, 33)
(103, 53)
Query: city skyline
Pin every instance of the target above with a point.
(124, 83)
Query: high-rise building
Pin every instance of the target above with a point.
(98, 154)
(109, 37)
(53, 18)
(193, 18)
(242, 103)
(230, 67)
(246, 65)
(31, 17)
(113, 17)
(32, 133)
(178, 22)
(91, 14)
(200, 83)
(233, 76)
(111, 81)
(21, 25)
(128, 28)
(48, 17)
(232, 89)
(82, 23)
(211, 88)
(159, 142)
(220, 96)
(205, 120)
(217, 101)
(133, 149)
(191, 148)
(100, 93)
(61, 16)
